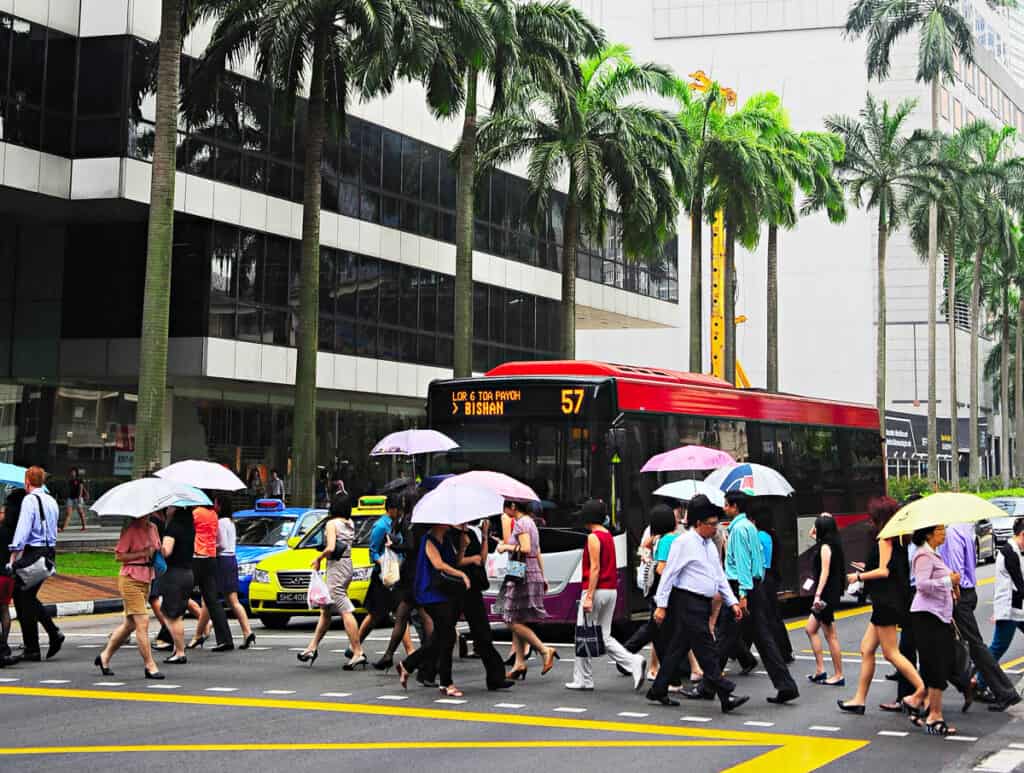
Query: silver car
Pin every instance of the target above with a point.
(1002, 528)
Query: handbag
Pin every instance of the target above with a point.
(515, 571)
(963, 668)
(36, 562)
(589, 639)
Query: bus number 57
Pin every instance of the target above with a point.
(572, 401)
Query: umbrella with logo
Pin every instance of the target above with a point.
(202, 474)
(12, 474)
(749, 478)
(685, 490)
(138, 498)
(688, 458)
(411, 442)
(939, 510)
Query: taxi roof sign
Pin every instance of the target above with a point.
(269, 505)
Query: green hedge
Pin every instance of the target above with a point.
(988, 488)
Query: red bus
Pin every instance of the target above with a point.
(574, 430)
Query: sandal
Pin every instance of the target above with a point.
(913, 711)
(894, 708)
(939, 727)
(451, 691)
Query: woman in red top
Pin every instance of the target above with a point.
(597, 605)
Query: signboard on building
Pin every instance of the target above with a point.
(123, 461)
(906, 434)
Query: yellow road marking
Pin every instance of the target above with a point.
(1012, 663)
(798, 753)
(377, 746)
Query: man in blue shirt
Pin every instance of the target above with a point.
(744, 568)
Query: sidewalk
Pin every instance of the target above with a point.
(65, 595)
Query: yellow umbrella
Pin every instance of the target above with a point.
(939, 509)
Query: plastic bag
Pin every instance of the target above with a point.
(496, 565)
(390, 568)
(318, 595)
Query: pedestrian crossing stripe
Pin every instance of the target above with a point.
(792, 753)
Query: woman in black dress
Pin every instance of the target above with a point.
(886, 578)
(829, 582)
(402, 543)
(177, 582)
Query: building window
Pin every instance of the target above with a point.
(944, 103)
(958, 114)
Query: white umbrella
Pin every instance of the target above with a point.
(413, 441)
(204, 475)
(455, 503)
(753, 479)
(686, 490)
(137, 498)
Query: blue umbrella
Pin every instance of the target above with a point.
(12, 474)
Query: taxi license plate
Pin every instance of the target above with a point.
(292, 598)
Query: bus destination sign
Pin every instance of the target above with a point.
(499, 401)
(483, 402)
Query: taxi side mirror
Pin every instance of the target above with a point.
(293, 542)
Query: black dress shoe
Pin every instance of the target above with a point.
(730, 702)
(697, 694)
(893, 677)
(1004, 705)
(503, 685)
(55, 644)
(31, 657)
(985, 696)
(744, 670)
(9, 660)
(784, 696)
(225, 647)
(664, 700)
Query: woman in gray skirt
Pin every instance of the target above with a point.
(339, 532)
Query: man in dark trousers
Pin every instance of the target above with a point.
(693, 575)
(958, 553)
(744, 568)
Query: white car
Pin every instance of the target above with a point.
(1002, 528)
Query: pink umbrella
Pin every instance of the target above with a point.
(499, 483)
(688, 458)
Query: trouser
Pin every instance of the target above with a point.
(32, 613)
(438, 648)
(730, 631)
(471, 605)
(686, 628)
(776, 623)
(204, 571)
(1002, 636)
(989, 672)
(601, 615)
(648, 633)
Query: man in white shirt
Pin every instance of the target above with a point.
(692, 577)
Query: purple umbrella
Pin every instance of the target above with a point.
(688, 458)
(413, 441)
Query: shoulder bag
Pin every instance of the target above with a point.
(515, 571)
(36, 562)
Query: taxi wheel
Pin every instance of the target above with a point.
(275, 621)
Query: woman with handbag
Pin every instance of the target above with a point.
(931, 615)
(597, 604)
(403, 544)
(521, 598)
(339, 533)
(136, 547)
(438, 581)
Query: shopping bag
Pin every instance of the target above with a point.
(496, 564)
(318, 595)
(390, 568)
(589, 639)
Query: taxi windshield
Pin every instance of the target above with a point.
(363, 523)
(264, 532)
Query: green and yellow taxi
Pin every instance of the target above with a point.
(279, 584)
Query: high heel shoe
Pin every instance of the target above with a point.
(308, 657)
(154, 675)
(549, 660)
(249, 641)
(176, 660)
(198, 642)
(403, 676)
(517, 673)
(103, 669)
(353, 664)
(384, 663)
(511, 659)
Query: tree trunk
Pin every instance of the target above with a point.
(933, 258)
(149, 417)
(697, 280)
(570, 240)
(773, 309)
(464, 235)
(954, 442)
(1018, 389)
(1004, 391)
(729, 307)
(304, 440)
(880, 334)
(974, 468)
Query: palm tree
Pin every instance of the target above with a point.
(943, 35)
(499, 40)
(880, 169)
(341, 48)
(149, 416)
(1002, 299)
(587, 131)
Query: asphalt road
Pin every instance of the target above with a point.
(262, 710)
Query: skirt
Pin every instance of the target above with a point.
(176, 585)
(227, 575)
(339, 575)
(938, 657)
(885, 616)
(380, 601)
(134, 593)
(521, 602)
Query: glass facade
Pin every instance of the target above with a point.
(94, 97)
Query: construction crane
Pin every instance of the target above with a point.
(702, 84)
